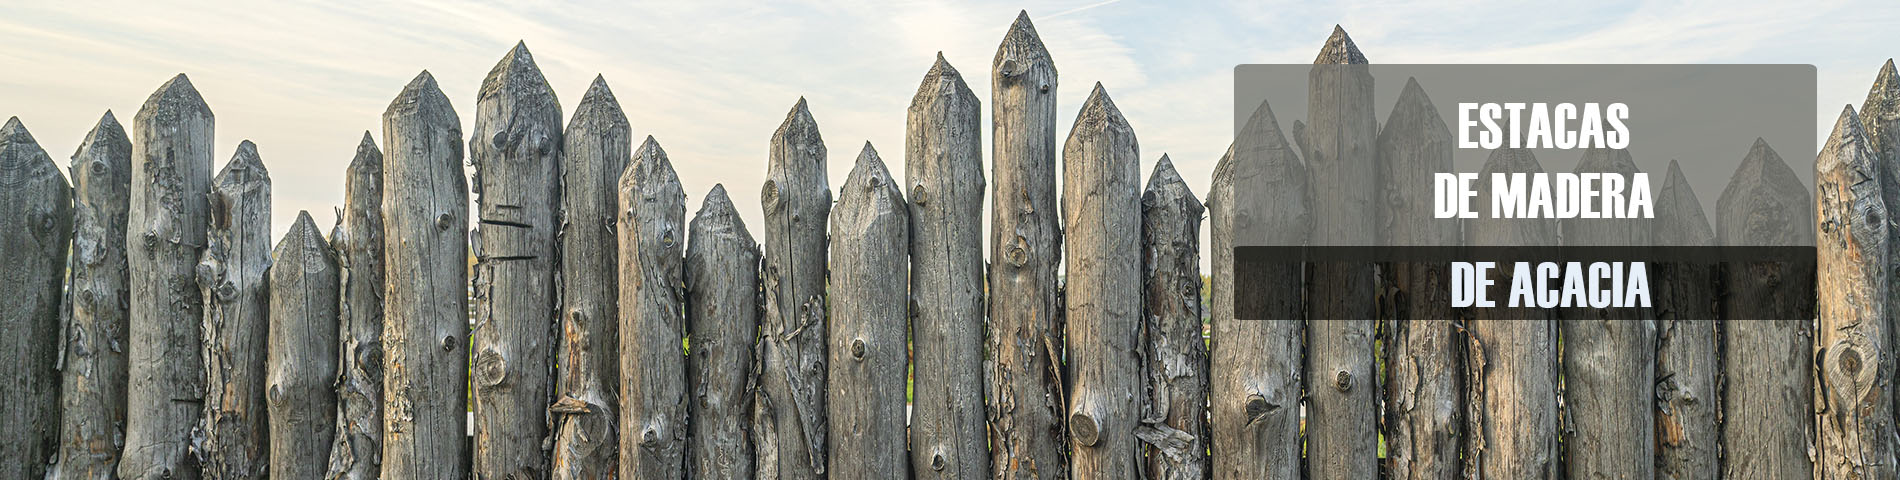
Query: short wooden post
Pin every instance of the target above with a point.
(788, 425)
(597, 146)
(92, 397)
(722, 299)
(1688, 370)
(1173, 415)
(237, 318)
(358, 240)
(1101, 214)
(302, 361)
(869, 358)
(425, 316)
(1511, 407)
(171, 176)
(36, 221)
(1757, 385)
(1854, 419)
(652, 245)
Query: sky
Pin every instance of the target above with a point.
(712, 80)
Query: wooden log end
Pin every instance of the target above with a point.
(367, 155)
(651, 173)
(22, 161)
(1763, 183)
(1099, 117)
(1021, 51)
(243, 172)
(1167, 190)
(868, 193)
(1339, 50)
(598, 108)
(516, 75)
(798, 128)
(423, 99)
(942, 84)
(1848, 145)
(177, 98)
(1680, 220)
(303, 241)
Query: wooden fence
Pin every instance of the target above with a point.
(188, 348)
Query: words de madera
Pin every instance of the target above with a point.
(1546, 195)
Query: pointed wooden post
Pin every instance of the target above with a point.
(1855, 378)
(597, 146)
(358, 240)
(943, 161)
(165, 231)
(1025, 398)
(1777, 441)
(425, 316)
(1608, 365)
(36, 221)
(231, 276)
(1173, 418)
(303, 352)
(788, 427)
(722, 299)
(1687, 368)
(652, 224)
(1511, 407)
(869, 356)
(1255, 365)
(515, 148)
(92, 394)
(1880, 118)
(1101, 212)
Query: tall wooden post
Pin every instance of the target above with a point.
(1173, 418)
(1768, 422)
(652, 224)
(516, 151)
(36, 221)
(358, 240)
(165, 231)
(1025, 398)
(1511, 407)
(597, 146)
(92, 396)
(1102, 213)
(788, 427)
(722, 299)
(869, 354)
(943, 161)
(1854, 418)
(1880, 118)
(231, 276)
(303, 352)
(1688, 370)
(425, 316)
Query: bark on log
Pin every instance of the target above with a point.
(358, 240)
(303, 352)
(231, 275)
(515, 148)
(93, 367)
(1339, 149)
(1101, 208)
(1511, 407)
(788, 424)
(1880, 117)
(1424, 398)
(722, 299)
(1415, 144)
(1173, 422)
(869, 357)
(943, 153)
(165, 231)
(1767, 414)
(597, 146)
(1025, 398)
(1258, 195)
(1854, 418)
(653, 221)
(36, 221)
(1609, 371)
(425, 316)
(1688, 368)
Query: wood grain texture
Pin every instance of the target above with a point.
(788, 424)
(1854, 374)
(869, 358)
(1765, 204)
(1173, 427)
(358, 241)
(1609, 365)
(425, 315)
(1413, 146)
(1767, 414)
(231, 276)
(1880, 120)
(302, 360)
(165, 231)
(597, 146)
(722, 299)
(36, 221)
(1424, 398)
(1025, 399)
(1512, 401)
(1688, 366)
(943, 162)
(652, 292)
(93, 367)
(1101, 214)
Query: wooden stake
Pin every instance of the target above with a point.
(1853, 417)
(652, 220)
(1688, 369)
(722, 298)
(1765, 204)
(1101, 203)
(232, 441)
(358, 240)
(869, 359)
(1511, 406)
(788, 422)
(303, 352)
(1173, 420)
(36, 222)
(92, 397)
(598, 144)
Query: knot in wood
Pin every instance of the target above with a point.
(1083, 427)
(936, 462)
(857, 349)
(490, 369)
(97, 167)
(1850, 361)
(277, 395)
(226, 291)
(1257, 407)
(1343, 381)
(769, 195)
(650, 438)
(1018, 253)
(150, 239)
(448, 343)
(443, 221)
(918, 195)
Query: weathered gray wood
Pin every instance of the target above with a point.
(1512, 416)
(1025, 398)
(1339, 147)
(515, 148)
(788, 426)
(232, 442)
(92, 394)
(1609, 371)
(597, 146)
(1767, 414)
(303, 359)
(1255, 366)
(425, 315)
(943, 162)
(1342, 390)
(1414, 145)
(1424, 397)
(358, 240)
(1854, 419)
(1496, 232)
(1687, 366)
(1880, 118)
(652, 246)
(1607, 232)
(1684, 291)
(36, 221)
(869, 357)
(1101, 212)
(722, 300)
(171, 175)
(1173, 416)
